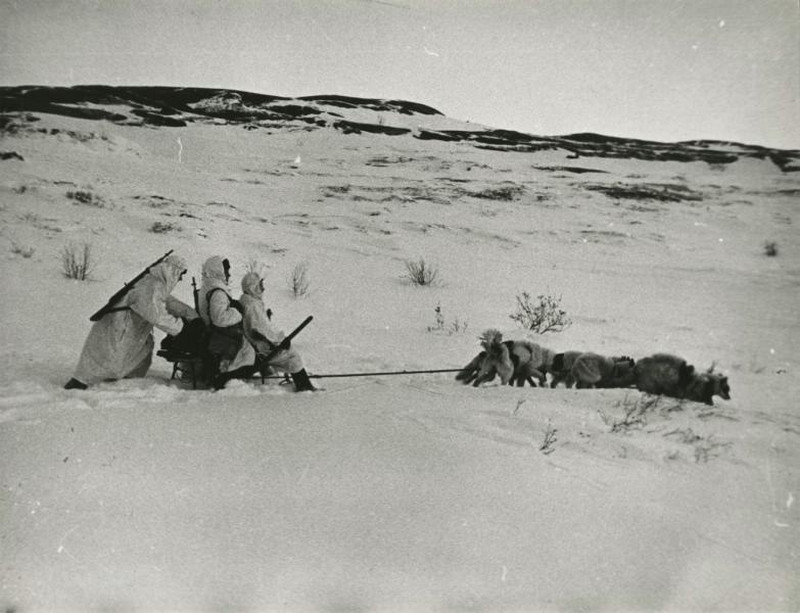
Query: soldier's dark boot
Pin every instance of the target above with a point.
(74, 384)
(220, 381)
(301, 382)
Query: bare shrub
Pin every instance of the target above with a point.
(633, 413)
(25, 252)
(705, 448)
(299, 281)
(708, 449)
(663, 192)
(440, 325)
(77, 261)
(255, 266)
(155, 201)
(506, 193)
(540, 316)
(162, 227)
(420, 273)
(771, 248)
(86, 196)
(458, 325)
(549, 440)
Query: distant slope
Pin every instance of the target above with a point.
(179, 106)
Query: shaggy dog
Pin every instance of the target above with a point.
(538, 361)
(495, 359)
(594, 370)
(671, 376)
(514, 361)
(704, 386)
(663, 373)
(469, 373)
(561, 368)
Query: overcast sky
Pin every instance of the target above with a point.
(657, 69)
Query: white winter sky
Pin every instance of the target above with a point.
(656, 69)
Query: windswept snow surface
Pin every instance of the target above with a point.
(409, 493)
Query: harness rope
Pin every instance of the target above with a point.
(373, 374)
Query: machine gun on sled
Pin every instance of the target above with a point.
(109, 306)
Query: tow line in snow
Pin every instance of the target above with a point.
(387, 373)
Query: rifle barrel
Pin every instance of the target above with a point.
(100, 313)
(196, 295)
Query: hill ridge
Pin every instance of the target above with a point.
(168, 106)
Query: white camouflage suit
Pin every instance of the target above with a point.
(219, 310)
(258, 329)
(120, 345)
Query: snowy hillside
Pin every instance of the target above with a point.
(390, 493)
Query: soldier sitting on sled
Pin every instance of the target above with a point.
(223, 318)
(266, 346)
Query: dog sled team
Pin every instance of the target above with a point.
(235, 338)
(520, 361)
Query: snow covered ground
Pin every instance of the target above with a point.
(404, 493)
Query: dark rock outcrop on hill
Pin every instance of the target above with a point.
(153, 104)
(353, 127)
(180, 106)
(400, 106)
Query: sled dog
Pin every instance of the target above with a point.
(663, 373)
(470, 372)
(671, 376)
(594, 370)
(534, 363)
(514, 361)
(561, 369)
(496, 359)
(704, 386)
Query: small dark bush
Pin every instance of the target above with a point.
(421, 273)
(84, 196)
(77, 261)
(507, 192)
(771, 248)
(25, 252)
(299, 281)
(162, 227)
